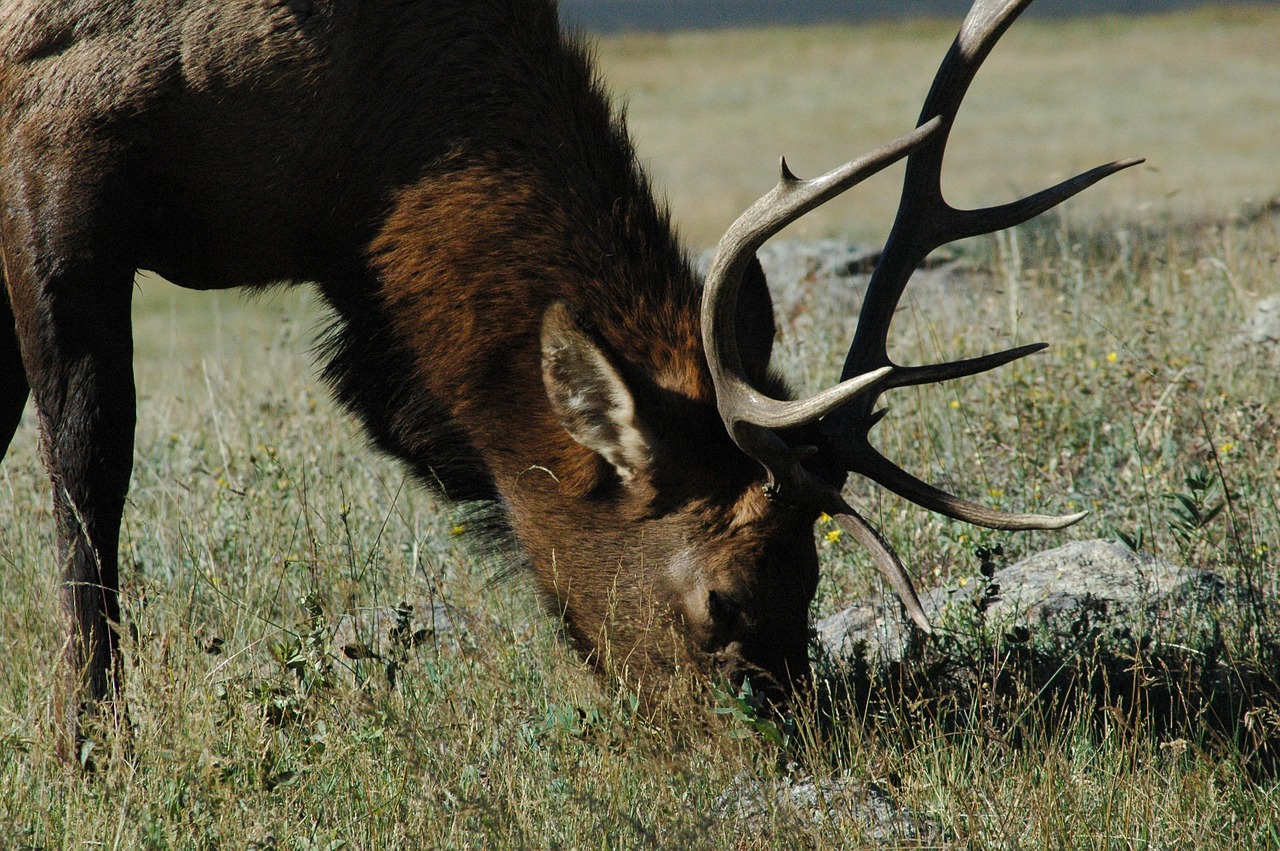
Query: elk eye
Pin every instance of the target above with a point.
(722, 610)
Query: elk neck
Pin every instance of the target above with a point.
(538, 199)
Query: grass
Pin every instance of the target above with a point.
(258, 523)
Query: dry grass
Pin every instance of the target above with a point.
(257, 520)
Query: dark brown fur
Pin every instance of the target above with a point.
(453, 178)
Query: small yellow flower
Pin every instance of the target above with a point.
(457, 530)
(1111, 357)
(1226, 447)
(824, 517)
(955, 404)
(832, 536)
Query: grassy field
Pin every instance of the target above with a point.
(258, 523)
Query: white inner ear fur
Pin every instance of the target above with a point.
(590, 397)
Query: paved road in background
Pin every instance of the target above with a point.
(605, 16)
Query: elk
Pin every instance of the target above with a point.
(513, 314)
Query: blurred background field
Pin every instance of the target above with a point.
(1197, 94)
(259, 524)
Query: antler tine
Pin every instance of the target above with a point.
(749, 415)
(887, 561)
(991, 219)
(890, 476)
(910, 376)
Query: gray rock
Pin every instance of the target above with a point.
(843, 805)
(1098, 586)
(794, 268)
(1051, 590)
(1261, 331)
(872, 630)
(834, 273)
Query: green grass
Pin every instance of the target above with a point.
(257, 520)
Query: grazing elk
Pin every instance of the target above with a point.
(513, 314)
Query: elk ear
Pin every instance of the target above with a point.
(590, 397)
(756, 328)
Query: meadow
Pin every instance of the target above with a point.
(259, 523)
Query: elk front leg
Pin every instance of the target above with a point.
(74, 327)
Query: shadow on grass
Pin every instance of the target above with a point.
(1021, 695)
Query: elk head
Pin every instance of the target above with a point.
(679, 553)
(745, 604)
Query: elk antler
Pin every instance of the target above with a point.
(844, 413)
